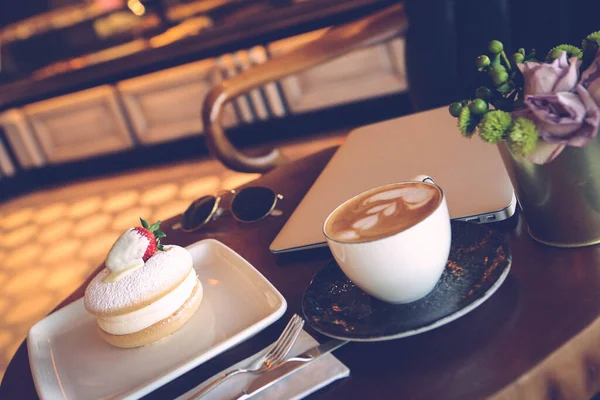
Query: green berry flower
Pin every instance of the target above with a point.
(494, 126)
(518, 57)
(484, 93)
(482, 61)
(466, 122)
(497, 69)
(523, 137)
(500, 78)
(572, 51)
(495, 46)
(455, 109)
(478, 107)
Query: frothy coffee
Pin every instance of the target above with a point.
(383, 212)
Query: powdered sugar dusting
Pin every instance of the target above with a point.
(162, 272)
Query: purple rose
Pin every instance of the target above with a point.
(565, 117)
(564, 111)
(559, 76)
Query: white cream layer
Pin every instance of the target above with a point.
(141, 319)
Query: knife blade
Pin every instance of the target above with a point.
(290, 366)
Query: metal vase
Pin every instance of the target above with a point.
(560, 200)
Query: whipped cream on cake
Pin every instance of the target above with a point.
(136, 305)
(127, 253)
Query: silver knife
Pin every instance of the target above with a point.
(290, 366)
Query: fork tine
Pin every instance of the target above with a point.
(286, 346)
(283, 336)
(283, 350)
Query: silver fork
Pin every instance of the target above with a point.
(271, 359)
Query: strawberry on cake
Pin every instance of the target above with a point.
(146, 292)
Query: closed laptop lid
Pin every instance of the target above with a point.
(470, 172)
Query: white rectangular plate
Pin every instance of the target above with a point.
(69, 360)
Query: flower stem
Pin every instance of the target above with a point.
(505, 59)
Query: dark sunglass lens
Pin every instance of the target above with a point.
(198, 212)
(253, 203)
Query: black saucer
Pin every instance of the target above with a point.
(479, 262)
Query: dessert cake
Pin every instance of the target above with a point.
(146, 292)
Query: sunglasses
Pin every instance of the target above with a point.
(250, 204)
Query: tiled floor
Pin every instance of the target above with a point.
(53, 239)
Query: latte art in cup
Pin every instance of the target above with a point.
(392, 241)
(383, 212)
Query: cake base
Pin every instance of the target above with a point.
(162, 328)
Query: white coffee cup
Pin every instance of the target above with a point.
(404, 266)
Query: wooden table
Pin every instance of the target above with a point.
(537, 337)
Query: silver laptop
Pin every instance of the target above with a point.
(470, 172)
